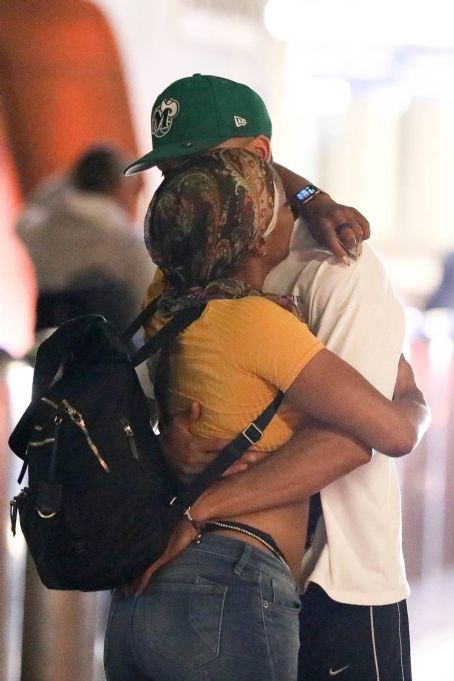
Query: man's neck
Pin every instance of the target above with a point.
(252, 271)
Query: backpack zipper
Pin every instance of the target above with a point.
(48, 401)
(77, 418)
(42, 500)
(41, 443)
(130, 435)
(47, 440)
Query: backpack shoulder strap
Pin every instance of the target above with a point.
(231, 453)
(135, 325)
(178, 323)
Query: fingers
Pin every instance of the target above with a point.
(342, 238)
(235, 468)
(348, 238)
(333, 243)
(194, 411)
(181, 537)
(199, 452)
(210, 445)
(348, 229)
(248, 459)
(363, 223)
(186, 453)
(142, 582)
(129, 589)
(253, 456)
(138, 585)
(351, 222)
(340, 228)
(183, 419)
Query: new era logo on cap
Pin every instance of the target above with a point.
(239, 121)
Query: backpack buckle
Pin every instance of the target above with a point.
(48, 499)
(253, 433)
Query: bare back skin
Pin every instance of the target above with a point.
(287, 525)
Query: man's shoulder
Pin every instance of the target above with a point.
(321, 285)
(316, 266)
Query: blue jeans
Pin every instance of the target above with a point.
(222, 611)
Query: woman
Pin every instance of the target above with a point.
(227, 606)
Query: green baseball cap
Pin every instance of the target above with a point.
(197, 113)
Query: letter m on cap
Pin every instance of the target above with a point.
(239, 121)
(162, 117)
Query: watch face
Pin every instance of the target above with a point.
(306, 193)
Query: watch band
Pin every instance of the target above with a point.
(302, 196)
(306, 193)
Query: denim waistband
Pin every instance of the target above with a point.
(237, 553)
(263, 537)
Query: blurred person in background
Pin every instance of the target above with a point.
(354, 621)
(79, 233)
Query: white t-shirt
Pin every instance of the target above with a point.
(357, 552)
(70, 234)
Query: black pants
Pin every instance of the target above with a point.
(352, 642)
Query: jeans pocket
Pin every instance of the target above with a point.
(184, 621)
(279, 594)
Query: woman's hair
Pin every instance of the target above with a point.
(207, 214)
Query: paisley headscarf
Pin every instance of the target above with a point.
(202, 222)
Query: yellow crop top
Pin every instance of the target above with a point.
(232, 360)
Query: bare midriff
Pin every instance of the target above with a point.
(287, 525)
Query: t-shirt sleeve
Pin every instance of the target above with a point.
(355, 313)
(275, 344)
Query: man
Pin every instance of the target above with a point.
(354, 621)
(354, 615)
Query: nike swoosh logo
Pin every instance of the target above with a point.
(335, 672)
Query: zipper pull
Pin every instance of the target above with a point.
(13, 515)
(130, 435)
(77, 418)
(14, 507)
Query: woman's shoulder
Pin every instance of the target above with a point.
(251, 319)
(249, 303)
(255, 308)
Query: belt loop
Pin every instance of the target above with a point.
(247, 550)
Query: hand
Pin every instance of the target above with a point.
(248, 459)
(185, 453)
(180, 539)
(340, 228)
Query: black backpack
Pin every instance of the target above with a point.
(101, 503)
